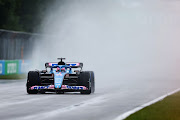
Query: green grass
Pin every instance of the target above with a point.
(167, 109)
(13, 76)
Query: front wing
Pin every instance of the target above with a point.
(63, 87)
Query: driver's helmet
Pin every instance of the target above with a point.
(58, 69)
(63, 70)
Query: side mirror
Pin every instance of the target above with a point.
(43, 71)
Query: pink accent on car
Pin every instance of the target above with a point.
(51, 87)
(50, 64)
(63, 87)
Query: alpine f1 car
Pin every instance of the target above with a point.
(60, 77)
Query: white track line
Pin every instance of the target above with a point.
(126, 114)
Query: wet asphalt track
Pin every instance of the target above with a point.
(16, 104)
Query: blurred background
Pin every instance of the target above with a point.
(136, 39)
(18, 32)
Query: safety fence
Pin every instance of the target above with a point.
(16, 45)
(8, 67)
(16, 50)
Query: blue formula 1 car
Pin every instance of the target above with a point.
(60, 77)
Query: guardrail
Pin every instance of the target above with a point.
(16, 45)
(19, 45)
(8, 67)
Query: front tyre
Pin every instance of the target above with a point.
(33, 79)
(87, 80)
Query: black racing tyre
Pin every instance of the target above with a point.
(92, 81)
(32, 80)
(87, 80)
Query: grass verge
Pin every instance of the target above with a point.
(13, 76)
(167, 109)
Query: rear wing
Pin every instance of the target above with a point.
(75, 65)
(51, 64)
(71, 64)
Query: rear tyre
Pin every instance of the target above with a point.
(33, 79)
(87, 80)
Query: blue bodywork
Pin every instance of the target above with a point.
(59, 74)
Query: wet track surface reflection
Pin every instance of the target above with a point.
(105, 104)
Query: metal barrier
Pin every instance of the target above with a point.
(16, 45)
(16, 48)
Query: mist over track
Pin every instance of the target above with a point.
(131, 45)
(119, 40)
